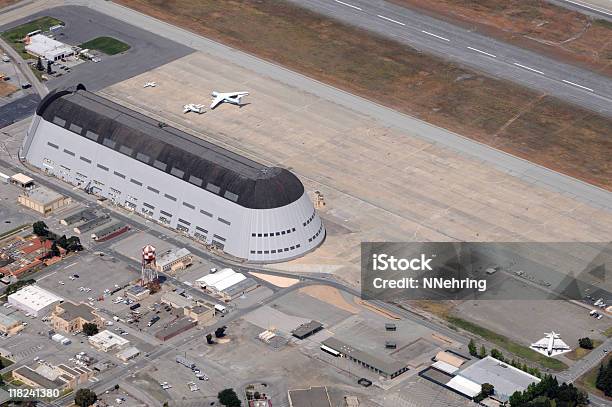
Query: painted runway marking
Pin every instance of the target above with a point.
(348, 5)
(389, 19)
(528, 68)
(434, 35)
(70, 265)
(48, 275)
(580, 86)
(482, 52)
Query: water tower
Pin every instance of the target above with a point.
(149, 272)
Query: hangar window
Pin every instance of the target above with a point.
(109, 143)
(166, 214)
(69, 152)
(283, 232)
(258, 251)
(170, 197)
(213, 188)
(293, 229)
(120, 175)
(297, 246)
(203, 212)
(286, 249)
(252, 251)
(292, 247)
(125, 150)
(87, 160)
(102, 167)
(259, 235)
(52, 145)
(148, 205)
(153, 190)
(177, 173)
(201, 229)
(184, 221)
(277, 233)
(133, 181)
(160, 165)
(231, 196)
(195, 180)
(59, 121)
(75, 128)
(253, 235)
(273, 251)
(265, 235)
(187, 204)
(227, 222)
(142, 157)
(219, 237)
(266, 251)
(91, 135)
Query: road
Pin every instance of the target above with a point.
(567, 82)
(596, 8)
(25, 70)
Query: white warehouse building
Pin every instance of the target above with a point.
(34, 300)
(248, 210)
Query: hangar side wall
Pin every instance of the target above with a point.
(260, 235)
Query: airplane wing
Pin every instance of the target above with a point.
(216, 101)
(560, 345)
(541, 344)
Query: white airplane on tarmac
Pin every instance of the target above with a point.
(150, 85)
(191, 107)
(231, 97)
(550, 345)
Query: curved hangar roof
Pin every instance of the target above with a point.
(182, 155)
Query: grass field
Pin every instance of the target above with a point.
(608, 332)
(15, 35)
(512, 118)
(535, 24)
(107, 45)
(507, 344)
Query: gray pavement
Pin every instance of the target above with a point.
(17, 110)
(466, 46)
(515, 166)
(147, 50)
(595, 8)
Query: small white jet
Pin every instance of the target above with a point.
(230, 97)
(550, 345)
(150, 85)
(191, 107)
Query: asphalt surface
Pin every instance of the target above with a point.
(17, 110)
(595, 8)
(469, 48)
(147, 50)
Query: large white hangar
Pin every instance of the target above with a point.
(248, 210)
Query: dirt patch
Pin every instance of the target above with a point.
(6, 88)
(535, 24)
(331, 296)
(278, 281)
(510, 117)
(6, 3)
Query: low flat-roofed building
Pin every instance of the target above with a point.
(201, 313)
(44, 47)
(505, 378)
(175, 328)
(137, 292)
(175, 300)
(84, 215)
(385, 367)
(10, 325)
(31, 378)
(70, 317)
(22, 180)
(34, 300)
(226, 283)
(174, 260)
(92, 224)
(449, 358)
(128, 353)
(305, 330)
(43, 200)
(312, 397)
(106, 341)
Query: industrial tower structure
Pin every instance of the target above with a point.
(149, 271)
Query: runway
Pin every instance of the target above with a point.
(498, 59)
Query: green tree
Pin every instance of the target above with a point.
(62, 242)
(90, 329)
(472, 348)
(73, 244)
(487, 389)
(54, 251)
(483, 352)
(229, 398)
(604, 378)
(39, 65)
(497, 354)
(40, 229)
(585, 343)
(85, 398)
